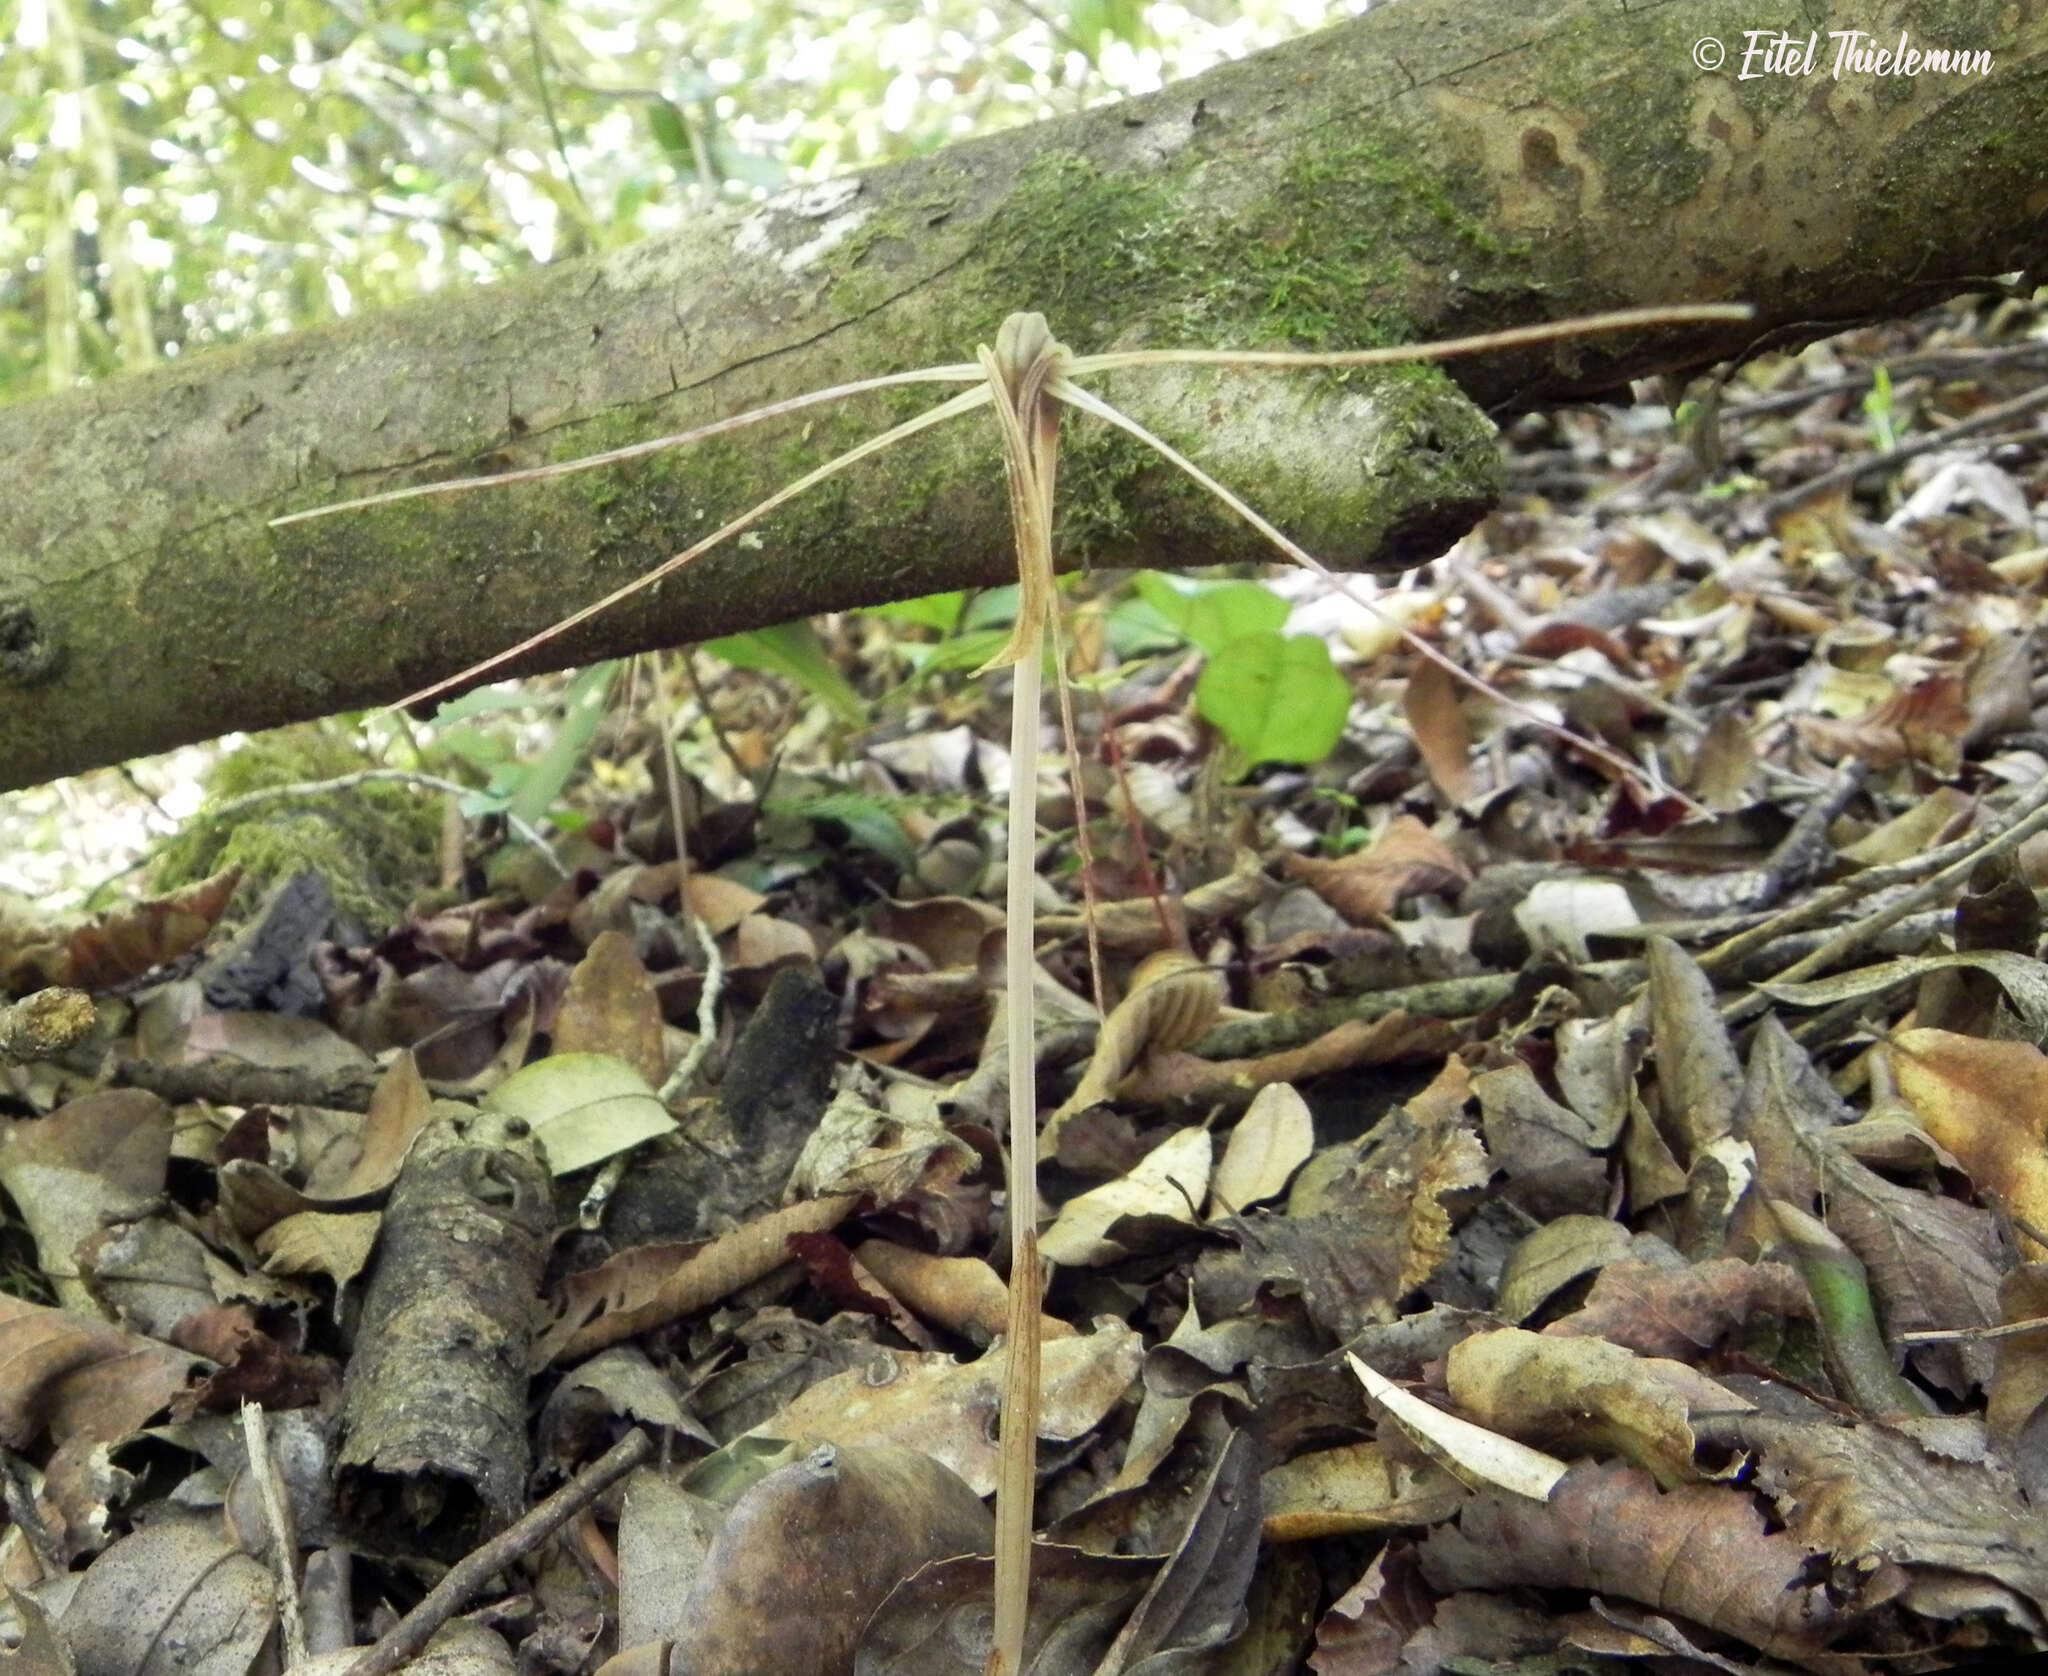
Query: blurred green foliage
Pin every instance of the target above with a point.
(181, 172)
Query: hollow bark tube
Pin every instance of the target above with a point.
(434, 1401)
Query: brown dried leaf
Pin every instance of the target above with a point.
(1932, 1263)
(1926, 723)
(1431, 707)
(91, 1161)
(1583, 1396)
(175, 1599)
(149, 934)
(948, 1409)
(1864, 1493)
(1357, 1487)
(1563, 1250)
(400, 1106)
(962, 1294)
(780, 1590)
(1699, 1551)
(1189, 1080)
(2016, 1406)
(1077, 1601)
(1682, 1312)
(1699, 1077)
(79, 1379)
(1406, 860)
(1169, 1181)
(320, 1242)
(650, 1285)
(1986, 1102)
(611, 1008)
(1365, 1225)
(1271, 1141)
(720, 903)
(1173, 1001)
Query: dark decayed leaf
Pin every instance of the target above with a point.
(775, 1592)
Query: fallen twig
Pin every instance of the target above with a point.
(1944, 860)
(284, 1540)
(1848, 472)
(1854, 935)
(469, 1574)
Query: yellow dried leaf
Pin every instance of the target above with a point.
(1986, 1103)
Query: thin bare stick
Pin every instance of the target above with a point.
(1445, 349)
(284, 1540)
(1957, 1335)
(685, 1073)
(640, 450)
(1087, 402)
(965, 402)
(469, 1575)
(1859, 932)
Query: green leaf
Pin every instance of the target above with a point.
(486, 701)
(1212, 615)
(584, 1107)
(671, 133)
(933, 611)
(583, 708)
(991, 608)
(1137, 630)
(870, 823)
(963, 651)
(1275, 698)
(794, 650)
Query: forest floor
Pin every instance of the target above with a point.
(1504, 1213)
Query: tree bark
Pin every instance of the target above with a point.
(1436, 167)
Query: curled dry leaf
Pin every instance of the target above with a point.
(1169, 1181)
(1471, 1454)
(1407, 859)
(1174, 999)
(150, 934)
(1583, 1396)
(1553, 1256)
(1189, 1080)
(1358, 1487)
(1431, 706)
(1924, 723)
(91, 1162)
(77, 1378)
(399, 1109)
(1701, 1552)
(859, 1148)
(650, 1285)
(948, 1409)
(336, 1244)
(962, 1294)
